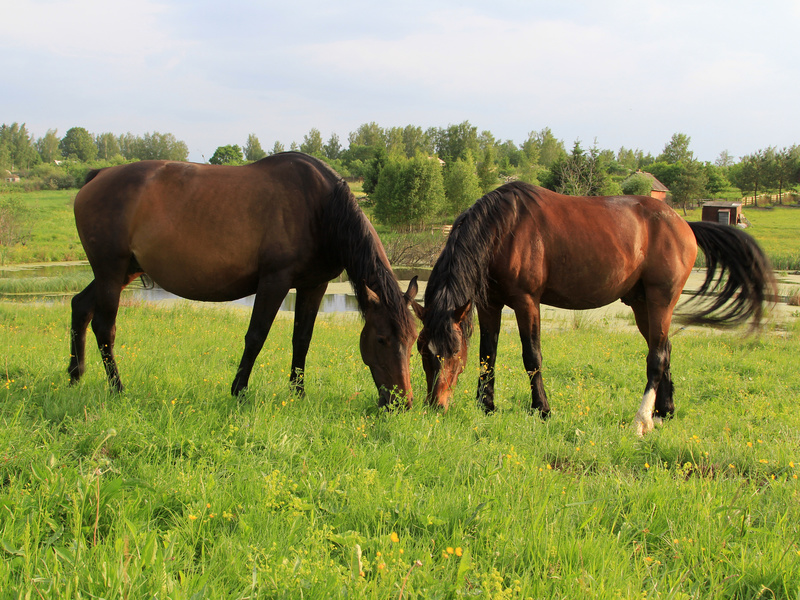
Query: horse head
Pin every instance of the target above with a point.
(386, 342)
(443, 349)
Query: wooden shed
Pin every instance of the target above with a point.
(729, 213)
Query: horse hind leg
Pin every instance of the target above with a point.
(83, 305)
(104, 326)
(307, 305)
(657, 402)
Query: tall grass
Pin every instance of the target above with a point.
(175, 489)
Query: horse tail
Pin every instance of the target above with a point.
(750, 283)
(91, 175)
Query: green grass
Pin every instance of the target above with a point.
(174, 489)
(50, 225)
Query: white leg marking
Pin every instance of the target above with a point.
(643, 421)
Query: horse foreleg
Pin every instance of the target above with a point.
(82, 313)
(306, 309)
(528, 320)
(489, 322)
(267, 303)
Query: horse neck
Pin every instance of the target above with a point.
(359, 250)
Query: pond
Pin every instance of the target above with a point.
(56, 281)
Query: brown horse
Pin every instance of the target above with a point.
(521, 245)
(218, 233)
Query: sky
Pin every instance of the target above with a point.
(620, 73)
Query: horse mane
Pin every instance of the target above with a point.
(461, 272)
(352, 238)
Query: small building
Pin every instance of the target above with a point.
(719, 211)
(11, 177)
(657, 189)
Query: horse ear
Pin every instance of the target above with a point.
(372, 297)
(460, 314)
(412, 290)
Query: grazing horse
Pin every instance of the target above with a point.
(520, 246)
(218, 233)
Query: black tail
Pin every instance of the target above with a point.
(749, 285)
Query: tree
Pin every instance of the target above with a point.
(455, 141)
(277, 148)
(410, 192)
(107, 146)
(752, 171)
(252, 149)
(227, 155)
(17, 150)
(579, 174)
(78, 144)
(368, 134)
(333, 148)
(637, 184)
(689, 185)
(48, 146)
(395, 145)
(312, 143)
(372, 170)
(153, 146)
(461, 185)
(487, 169)
(786, 169)
(549, 148)
(415, 140)
(677, 150)
(724, 159)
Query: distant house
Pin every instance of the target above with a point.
(11, 177)
(718, 211)
(657, 189)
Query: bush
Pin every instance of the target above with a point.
(410, 192)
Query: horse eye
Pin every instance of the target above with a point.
(382, 340)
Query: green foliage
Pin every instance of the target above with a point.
(227, 155)
(690, 183)
(312, 143)
(461, 185)
(252, 149)
(410, 192)
(677, 150)
(637, 185)
(16, 148)
(372, 170)
(580, 174)
(176, 490)
(78, 144)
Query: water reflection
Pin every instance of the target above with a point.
(55, 275)
(330, 302)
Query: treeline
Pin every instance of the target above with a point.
(53, 162)
(409, 187)
(415, 176)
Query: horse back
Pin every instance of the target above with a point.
(186, 224)
(585, 252)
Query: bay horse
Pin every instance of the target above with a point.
(219, 233)
(522, 246)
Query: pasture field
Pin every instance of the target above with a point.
(53, 238)
(49, 225)
(176, 490)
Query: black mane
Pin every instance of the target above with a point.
(352, 238)
(461, 271)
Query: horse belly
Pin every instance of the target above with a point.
(589, 284)
(207, 273)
